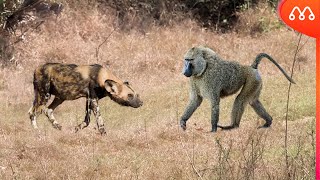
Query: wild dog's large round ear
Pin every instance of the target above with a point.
(111, 86)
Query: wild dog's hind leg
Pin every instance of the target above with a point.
(96, 112)
(49, 112)
(86, 121)
(33, 113)
(40, 100)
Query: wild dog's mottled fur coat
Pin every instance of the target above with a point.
(70, 82)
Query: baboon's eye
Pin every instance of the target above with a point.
(130, 95)
(187, 59)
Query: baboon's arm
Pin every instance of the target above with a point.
(215, 103)
(194, 103)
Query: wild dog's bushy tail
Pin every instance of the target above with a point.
(262, 55)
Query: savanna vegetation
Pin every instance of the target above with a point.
(144, 42)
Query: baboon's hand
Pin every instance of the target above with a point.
(183, 124)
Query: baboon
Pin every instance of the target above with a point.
(70, 82)
(213, 78)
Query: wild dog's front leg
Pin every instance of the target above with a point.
(96, 112)
(86, 121)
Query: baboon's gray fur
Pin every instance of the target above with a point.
(213, 78)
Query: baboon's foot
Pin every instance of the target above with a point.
(183, 125)
(227, 127)
(266, 125)
(214, 129)
(81, 126)
(56, 126)
(102, 130)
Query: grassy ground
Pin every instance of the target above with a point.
(147, 143)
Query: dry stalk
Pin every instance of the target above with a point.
(83, 150)
(12, 170)
(105, 40)
(190, 160)
(287, 110)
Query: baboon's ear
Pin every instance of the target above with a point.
(111, 86)
(202, 64)
(204, 54)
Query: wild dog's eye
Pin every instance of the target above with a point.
(126, 82)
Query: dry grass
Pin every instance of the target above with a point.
(146, 143)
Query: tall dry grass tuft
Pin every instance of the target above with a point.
(147, 143)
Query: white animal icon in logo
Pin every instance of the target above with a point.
(301, 15)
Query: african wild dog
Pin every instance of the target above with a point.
(70, 82)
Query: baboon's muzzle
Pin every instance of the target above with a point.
(187, 69)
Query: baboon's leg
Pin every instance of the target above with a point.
(49, 112)
(96, 112)
(249, 91)
(237, 110)
(215, 107)
(260, 110)
(86, 121)
(194, 103)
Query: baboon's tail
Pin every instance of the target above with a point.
(262, 55)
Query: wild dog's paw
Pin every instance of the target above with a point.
(81, 126)
(76, 129)
(102, 130)
(57, 126)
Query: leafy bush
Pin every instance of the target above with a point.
(216, 14)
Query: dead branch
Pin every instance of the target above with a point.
(287, 110)
(105, 40)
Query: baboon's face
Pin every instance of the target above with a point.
(123, 94)
(194, 62)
